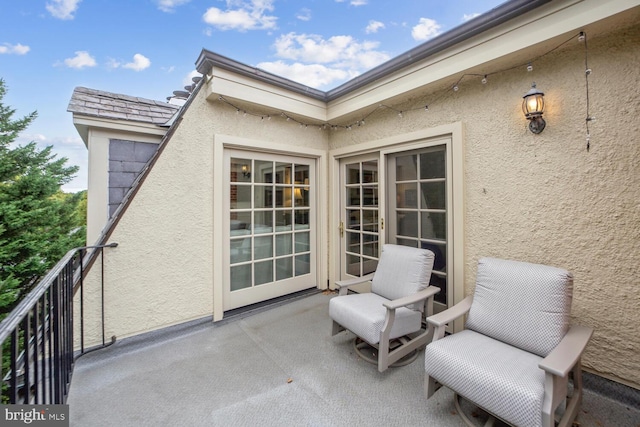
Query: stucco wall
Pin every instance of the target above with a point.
(161, 273)
(544, 198)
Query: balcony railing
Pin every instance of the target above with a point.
(36, 338)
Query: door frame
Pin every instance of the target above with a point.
(403, 142)
(222, 142)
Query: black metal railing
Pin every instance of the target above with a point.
(36, 338)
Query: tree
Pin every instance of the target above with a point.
(38, 222)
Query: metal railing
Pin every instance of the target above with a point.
(36, 338)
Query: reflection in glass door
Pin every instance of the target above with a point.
(359, 218)
(418, 212)
(270, 223)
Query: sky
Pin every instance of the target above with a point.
(148, 48)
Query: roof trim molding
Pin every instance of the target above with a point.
(207, 60)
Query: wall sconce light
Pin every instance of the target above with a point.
(246, 172)
(533, 107)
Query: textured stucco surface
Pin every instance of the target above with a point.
(537, 198)
(161, 273)
(544, 198)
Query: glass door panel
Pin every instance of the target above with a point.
(271, 227)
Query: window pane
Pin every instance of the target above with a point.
(353, 265)
(302, 219)
(439, 282)
(434, 225)
(407, 195)
(353, 196)
(432, 164)
(303, 265)
(263, 171)
(353, 242)
(263, 196)
(240, 223)
(369, 266)
(283, 244)
(302, 242)
(240, 197)
(240, 277)
(240, 250)
(369, 196)
(263, 247)
(301, 196)
(263, 222)
(370, 245)
(353, 173)
(263, 272)
(440, 251)
(353, 221)
(406, 168)
(407, 223)
(433, 195)
(370, 171)
(408, 242)
(283, 173)
(370, 220)
(283, 197)
(302, 174)
(284, 268)
(283, 220)
(240, 170)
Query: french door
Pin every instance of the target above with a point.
(270, 201)
(401, 197)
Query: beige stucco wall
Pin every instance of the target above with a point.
(161, 273)
(537, 198)
(544, 198)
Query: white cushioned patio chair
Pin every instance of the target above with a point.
(389, 318)
(517, 358)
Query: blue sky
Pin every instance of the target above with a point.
(148, 48)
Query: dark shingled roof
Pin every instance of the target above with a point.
(98, 103)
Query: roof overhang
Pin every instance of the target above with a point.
(488, 41)
(84, 123)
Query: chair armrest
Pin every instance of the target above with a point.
(343, 285)
(452, 313)
(429, 291)
(562, 358)
(354, 281)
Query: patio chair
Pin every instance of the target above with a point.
(517, 354)
(389, 318)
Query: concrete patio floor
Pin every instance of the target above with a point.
(275, 366)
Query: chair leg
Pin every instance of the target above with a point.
(430, 386)
(336, 328)
(575, 400)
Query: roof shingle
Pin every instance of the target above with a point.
(98, 103)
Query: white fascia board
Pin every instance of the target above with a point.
(84, 123)
(538, 26)
(229, 84)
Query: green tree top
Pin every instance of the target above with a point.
(38, 222)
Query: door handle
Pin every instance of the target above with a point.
(341, 228)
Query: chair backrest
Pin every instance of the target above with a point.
(402, 271)
(525, 305)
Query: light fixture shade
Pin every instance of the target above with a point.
(533, 102)
(533, 107)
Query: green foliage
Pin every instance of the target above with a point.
(38, 222)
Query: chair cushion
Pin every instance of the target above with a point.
(522, 304)
(364, 315)
(498, 377)
(402, 271)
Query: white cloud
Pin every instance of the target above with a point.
(304, 14)
(342, 51)
(16, 49)
(313, 75)
(374, 26)
(81, 60)
(358, 2)
(426, 29)
(63, 9)
(188, 78)
(170, 5)
(245, 15)
(139, 63)
(468, 17)
(319, 62)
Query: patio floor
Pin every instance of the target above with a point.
(275, 366)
